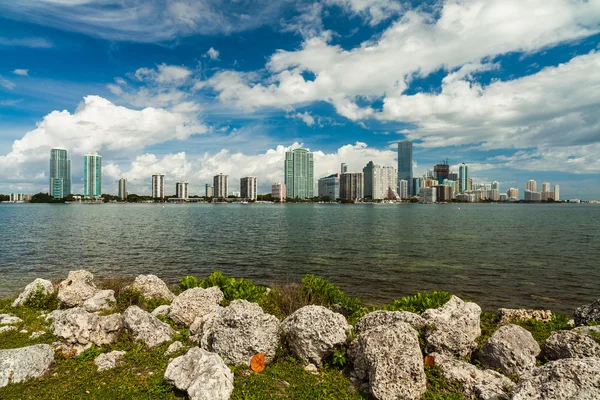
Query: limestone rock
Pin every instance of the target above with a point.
(569, 344)
(194, 303)
(452, 328)
(566, 379)
(388, 357)
(240, 331)
(203, 375)
(8, 328)
(161, 310)
(7, 319)
(37, 334)
(109, 360)
(508, 315)
(76, 289)
(588, 313)
(174, 348)
(147, 327)
(512, 349)
(474, 382)
(102, 300)
(201, 323)
(379, 318)
(313, 332)
(18, 365)
(43, 285)
(152, 287)
(312, 369)
(76, 326)
(586, 330)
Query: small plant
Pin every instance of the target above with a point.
(542, 330)
(420, 302)
(89, 354)
(439, 388)
(189, 282)
(41, 300)
(321, 291)
(234, 289)
(340, 358)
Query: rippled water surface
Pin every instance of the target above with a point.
(497, 255)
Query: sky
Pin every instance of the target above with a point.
(193, 88)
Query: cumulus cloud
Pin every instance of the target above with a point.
(21, 72)
(212, 54)
(305, 117)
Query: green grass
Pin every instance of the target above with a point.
(542, 330)
(439, 388)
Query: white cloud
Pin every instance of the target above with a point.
(163, 74)
(21, 72)
(305, 117)
(34, 42)
(6, 83)
(212, 54)
(375, 11)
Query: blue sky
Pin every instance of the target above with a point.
(194, 88)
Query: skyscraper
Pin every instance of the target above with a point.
(405, 164)
(442, 171)
(278, 191)
(330, 187)
(545, 187)
(158, 186)
(208, 190)
(403, 189)
(351, 186)
(495, 185)
(344, 168)
(123, 189)
(463, 177)
(181, 190)
(92, 175)
(60, 173)
(417, 183)
(248, 188)
(556, 192)
(532, 185)
(221, 186)
(378, 180)
(298, 174)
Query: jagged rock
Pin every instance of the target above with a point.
(161, 310)
(313, 332)
(102, 300)
(452, 328)
(194, 303)
(43, 285)
(240, 331)
(9, 328)
(152, 287)
(203, 375)
(7, 319)
(76, 289)
(512, 349)
(508, 315)
(588, 313)
(566, 379)
(379, 318)
(569, 344)
(37, 334)
(173, 348)
(18, 365)
(109, 360)
(76, 326)
(52, 315)
(199, 323)
(388, 357)
(474, 382)
(147, 327)
(586, 330)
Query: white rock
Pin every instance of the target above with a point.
(23, 331)
(152, 287)
(18, 365)
(389, 358)
(512, 349)
(508, 315)
(312, 368)
(570, 344)
(587, 329)
(203, 375)
(194, 303)
(43, 285)
(76, 289)
(313, 332)
(102, 300)
(174, 348)
(79, 327)
(9, 328)
(380, 317)
(37, 334)
(110, 360)
(566, 379)
(6, 319)
(147, 327)
(161, 310)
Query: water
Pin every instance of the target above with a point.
(540, 256)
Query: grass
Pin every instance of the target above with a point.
(439, 388)
(542, 330)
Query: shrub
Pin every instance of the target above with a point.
(283, 299)
(41, 300)
(420, 302)
(188, 282)
(234, 289)
(321, 291)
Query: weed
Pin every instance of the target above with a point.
(89, 354)
(189, 282)
(420, 302)
(542, 330)
(41, 300)
(439, 388)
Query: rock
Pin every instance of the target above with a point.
(388, 357)
(37, 334)
(42, 285)
(72, 349)
(312, 369)
(512, 349)
(313, 332)
(76, 326)
(109, 360)
(23, 331)
(7, 319)
(588, 313)
(586, 330)
(147, 327)
(4, 329)
(240, 331)
(18, 365)
(508, 315)
(200, 322)
(566, 379)
(152, 287)
(474, 382)
(52, 315)
(194, 303)
(174, 348)
(161, 310)
(569, 344)
(203, 375)
(76, 289)
(102, 300)
(379, 318)
(452, 328)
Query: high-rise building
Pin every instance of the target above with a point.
(248, 188)
(351, 186)
(443, 193)
(221, 186)
(531, 185)
(452, 176)
(417, 184)
(545, 187)
(495, 186)
(278, 191)
(158, 186)
(556, 192)
(298, 174)
(378, 180)
(344, 168)
(463, 177)
(493, 194)
(512, 193)
(208, 190)
(92, 175)
(427, 195)
(403, 189)
(405, 164)
(181, 190)
(60, 173)
(532, 196)
(123, 189)
(330, 186)
(469, 184)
